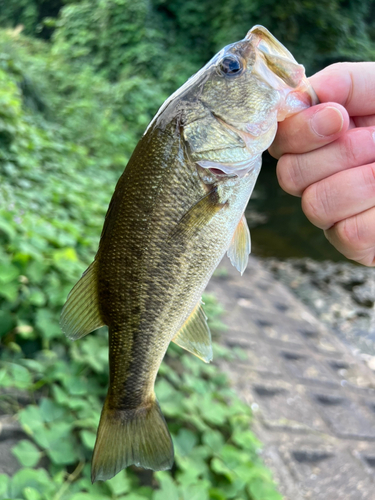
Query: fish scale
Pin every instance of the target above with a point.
(176, 210)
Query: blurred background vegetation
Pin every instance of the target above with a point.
(79, 82)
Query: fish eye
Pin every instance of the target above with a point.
(230, 66)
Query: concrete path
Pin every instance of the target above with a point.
(313, 401)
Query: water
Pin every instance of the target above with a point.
(278, 226)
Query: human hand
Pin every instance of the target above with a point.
(327, 156)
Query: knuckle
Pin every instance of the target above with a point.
(289, 173)
(316, 205)
(351, 235)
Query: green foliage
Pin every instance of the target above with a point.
(216, 454)
(317, 33)
(170, 39)
(125, 41)
(65, 135)
(71, 111)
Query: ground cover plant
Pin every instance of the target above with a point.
(60, 156)
(79, 82)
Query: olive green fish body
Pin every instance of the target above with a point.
(149, 274)
(176, 210)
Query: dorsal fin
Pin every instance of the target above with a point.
(80, 314)
(240, 246)
(195, 335)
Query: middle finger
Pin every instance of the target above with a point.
(340, 196)
(296, 172)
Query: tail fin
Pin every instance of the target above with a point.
(127, 437)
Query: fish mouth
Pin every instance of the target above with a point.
(276, 60)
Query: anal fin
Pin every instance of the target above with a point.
(240, 247)
(195, 335)
(80, 314)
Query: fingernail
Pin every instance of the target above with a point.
(327, 121)
(373, 136)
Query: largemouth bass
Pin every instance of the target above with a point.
(177, 208)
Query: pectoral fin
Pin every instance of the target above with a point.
(80, 314)
(195, 335)
(240, 247)
(198, 216)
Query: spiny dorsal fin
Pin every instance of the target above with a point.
(240, 247)
(80, 314)
(195, 335)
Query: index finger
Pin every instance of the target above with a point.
(350, 84)
(310, 129)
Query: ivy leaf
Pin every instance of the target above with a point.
(20, 376)
(9, 291)
(214, 440)
(260, 489)
(8, 273)
(120, 484)
(49, 410)
(27, 453)
(31, 493)
(36, 479)
(4, 483)
(185, 441)
(32, 422)
(88, 439)
(168, 489)
(48, 323)
(61, 446)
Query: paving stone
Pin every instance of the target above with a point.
(8, 462)
(353, 375)
(283, 407)
(287, 485)
(259, 356)
(10, 433)
(285, 333)
(344, 416)
(326, 346)
(303, 366)
(324, 474)
(240, 322)
(313, 400)
(371, 405)
(368, 462)
(246, 339)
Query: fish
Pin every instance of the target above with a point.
(176, 210)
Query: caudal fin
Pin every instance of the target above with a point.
(127, 437)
